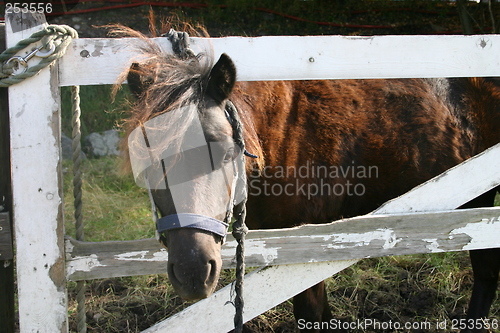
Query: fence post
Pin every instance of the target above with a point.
(7, 308)
(36, 190)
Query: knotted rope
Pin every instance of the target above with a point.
(180, 44)
(239, 227)
(77, 194)
(52, 36)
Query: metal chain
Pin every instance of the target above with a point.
(56, 37)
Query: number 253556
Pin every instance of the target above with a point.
(23, 7)
(474, 324)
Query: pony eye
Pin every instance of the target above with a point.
(229, 155)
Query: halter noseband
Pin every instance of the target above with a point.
(196, 221)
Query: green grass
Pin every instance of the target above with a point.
(402, 288)
(99, 111)
(114, 207)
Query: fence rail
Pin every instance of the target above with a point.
(356, 238)
(100, 61)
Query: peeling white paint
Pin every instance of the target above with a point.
(483, 234)
(362, 239)
(259, 248)
(433, 245)
(253, 247)
(161, 255)
(83, 264)
(34, 134)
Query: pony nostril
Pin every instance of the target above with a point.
(171, 274)
(175, 276)
(193, 272)
(214, 271)
(213, 268)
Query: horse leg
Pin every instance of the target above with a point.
(311, 309)
(486, 265)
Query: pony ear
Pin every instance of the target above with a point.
(222, 79)
(136, 83)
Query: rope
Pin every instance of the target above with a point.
(77, 194)
(239, 227)
(77, 148)
(58, 36)
(239, 232)
(180, 44)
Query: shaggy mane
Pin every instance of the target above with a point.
(172, 83)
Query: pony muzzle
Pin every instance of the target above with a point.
(194, 260)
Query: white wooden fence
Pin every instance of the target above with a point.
(45, 261)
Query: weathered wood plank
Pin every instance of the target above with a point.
(214, 314)
(310, 57)
(355, 238)
(36, 191)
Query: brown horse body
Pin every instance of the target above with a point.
(327, 149)
(409, 130)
